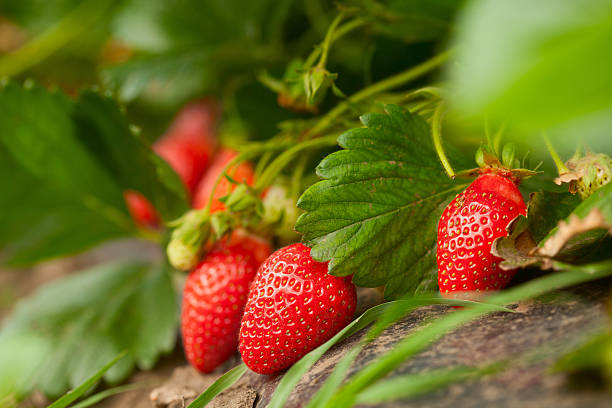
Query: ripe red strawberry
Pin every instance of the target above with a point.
(294, 306)
(213, 300)
(141, 209)
(258, 247)
(190, 142)
(468, 227)
(242, 173)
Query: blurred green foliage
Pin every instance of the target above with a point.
(70, 328)
(535, 66)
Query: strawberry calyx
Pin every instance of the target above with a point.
(489, 162)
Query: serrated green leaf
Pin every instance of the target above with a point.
(86, 319)
(375, 216)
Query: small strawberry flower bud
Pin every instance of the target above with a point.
(187, 242)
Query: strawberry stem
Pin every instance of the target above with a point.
(336, 34)
(248, 153)
(490, 144)
(288, 155)
(381, 86)
(298, 173)
(436, 133)
(329, 39)
(561, 168)
(498, 137)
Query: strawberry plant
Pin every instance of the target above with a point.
(227, 178)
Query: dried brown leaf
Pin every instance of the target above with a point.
(567, 230)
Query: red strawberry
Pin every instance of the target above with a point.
(141, 209)
(294, 306)
(468, 227)
(213, 301)
(242, 173)
(190, 142)
(257, 246)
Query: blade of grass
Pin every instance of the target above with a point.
(73, 395)
(420, 339)
(94, 399)
(397, 312)
(326, 392)
(394, 313)
(412, 385)
(297, 371)
(224, 382)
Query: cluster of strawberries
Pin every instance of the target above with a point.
(190, 148)
(276, 307)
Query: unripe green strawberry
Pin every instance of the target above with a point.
(187, 241)
(466, 231)
(293, 307)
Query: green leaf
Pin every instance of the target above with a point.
(18, 370)
(586, 226)
(73, 395)
(420, 339)
(562, 228)
(545, 210)
(84, 320)
(601, 201)
(64, 166)
(519, 62)
(224, 382)
(376, 214)
(104, 130)
(40, 222)
(37, 130)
